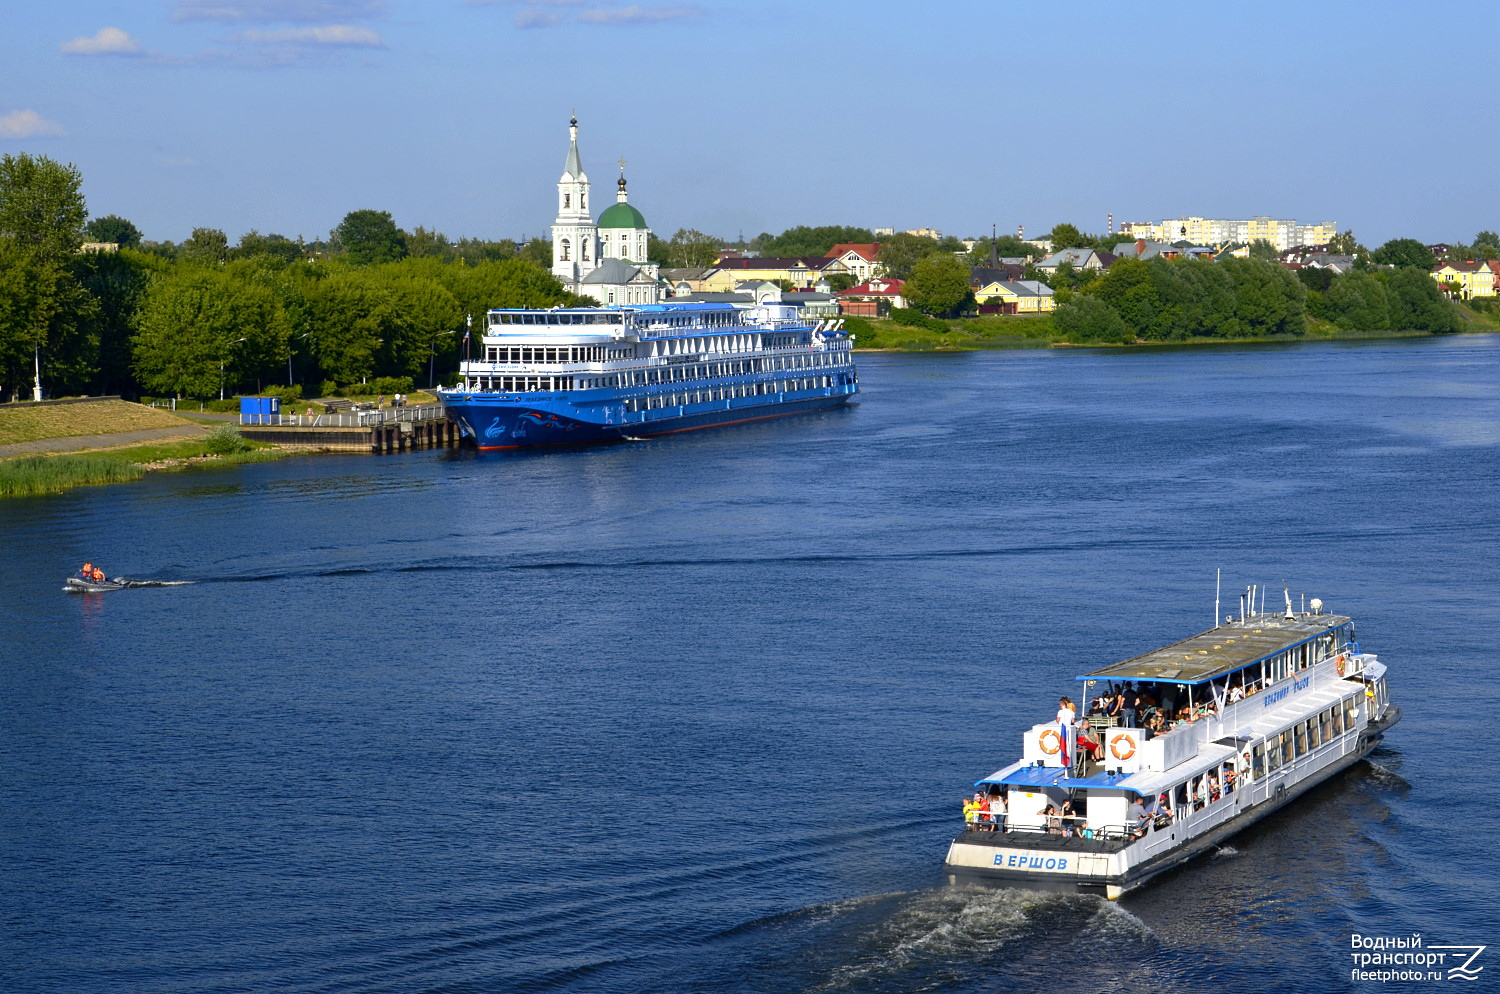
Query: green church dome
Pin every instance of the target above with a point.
(622, 215)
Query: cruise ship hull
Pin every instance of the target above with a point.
(500, 421)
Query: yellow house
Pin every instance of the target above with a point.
(1473, 279)
(800, 273)
(1017, 296)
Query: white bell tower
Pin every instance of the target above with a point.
(575, 237)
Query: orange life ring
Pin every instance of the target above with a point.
(1125, 753)
(1056, 746)
(1339, 664)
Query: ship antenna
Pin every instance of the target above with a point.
(1287, 593)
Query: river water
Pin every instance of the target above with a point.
(696, 714)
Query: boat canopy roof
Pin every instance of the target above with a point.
(1221, 650)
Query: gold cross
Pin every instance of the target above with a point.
(622, 165)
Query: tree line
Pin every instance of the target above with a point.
(1164, 301)
(204, 317)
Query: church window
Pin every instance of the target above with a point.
(583, 250)
(583, 197)
(567, 201)
(565, 247)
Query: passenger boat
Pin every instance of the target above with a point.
(565, 375)
(1249, 715)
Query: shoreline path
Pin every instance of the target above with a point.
(71, 443)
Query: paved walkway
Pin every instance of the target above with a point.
(74, 442)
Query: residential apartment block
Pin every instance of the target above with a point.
(1282, 233)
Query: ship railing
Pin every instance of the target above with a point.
(1102, 833)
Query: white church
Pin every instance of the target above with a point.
(607, 260)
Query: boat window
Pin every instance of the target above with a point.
(1326, 726)
(1301, 739)
(1313, 738)
(1336, 715)
(1286, 748)
(1258, 760)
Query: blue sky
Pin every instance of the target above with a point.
(284, 115)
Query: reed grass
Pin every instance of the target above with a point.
(34, 475)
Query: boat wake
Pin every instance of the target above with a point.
(929, 938)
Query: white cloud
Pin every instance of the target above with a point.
(332, 34)
(27, 124)
(638, 14)
(105, 41)
(262, 11)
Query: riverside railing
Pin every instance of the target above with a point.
(350, 418)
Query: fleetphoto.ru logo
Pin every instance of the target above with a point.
(1384, 958)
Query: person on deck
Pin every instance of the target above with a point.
(98, 576)
(87, 573)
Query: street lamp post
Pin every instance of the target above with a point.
(224, 358)
(432, 357)
(291, 352)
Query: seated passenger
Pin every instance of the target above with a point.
(1213, 788)
(1236, 693)
(1050, 814)
(98, 576)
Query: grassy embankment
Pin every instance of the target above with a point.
(42, 473)
(1039, 332)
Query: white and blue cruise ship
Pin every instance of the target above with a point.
(567, 375)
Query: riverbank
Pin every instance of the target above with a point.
(42, 473)
(54, 446)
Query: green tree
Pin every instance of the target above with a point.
(692, 249)
(118, 281)
(424, 244)
(113, 228)
(538, 252)
(473, 251)
(1065, 235)
(253, 243)
(1264, 250)
(839, 282)
(201, 330)
(1268, 298)
(1417, 304)
(365, 237)
(1127, 288)
(939, 285)
(805, 242)
(900, 253)
(1403, 252)
(1086, 318)
(1357, 302)
(1006, 246)
(41, 206)
(206, 247)
(1344, 244)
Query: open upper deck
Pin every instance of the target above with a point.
(1223, 650)
(666, 320)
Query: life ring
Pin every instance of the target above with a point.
(1339, 664)
(1117, 752)
(1055, 747)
